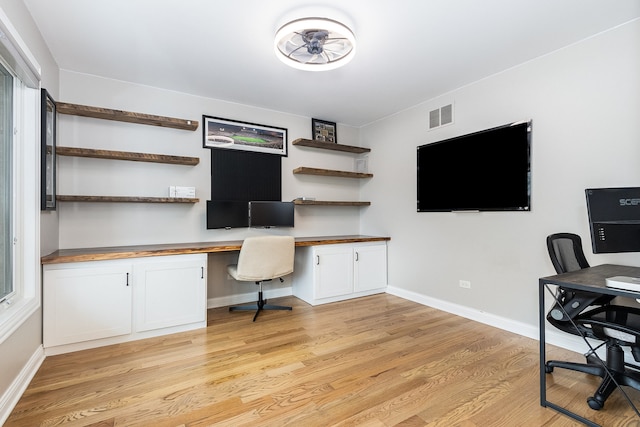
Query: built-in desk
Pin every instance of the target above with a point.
(591, 280)
(101, 296)
(122, 252)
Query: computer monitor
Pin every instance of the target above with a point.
(271, 214)
(227, 214)
(614, 219)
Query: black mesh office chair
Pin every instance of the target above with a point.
(593, 316)
(565, 251)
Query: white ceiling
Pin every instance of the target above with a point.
(409, 51)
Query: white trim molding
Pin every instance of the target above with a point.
(552, 337)
(11, 396)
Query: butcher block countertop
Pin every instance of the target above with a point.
(123, 252)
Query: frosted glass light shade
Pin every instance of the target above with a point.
(315, 44)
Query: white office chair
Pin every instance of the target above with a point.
(261, 259)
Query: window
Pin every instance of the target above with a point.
(6, 182)
(19, 181)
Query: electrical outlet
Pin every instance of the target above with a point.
(465, 284)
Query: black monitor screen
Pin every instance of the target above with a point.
(488, 170)
(614, 219)
(227, 214)
(271, 214)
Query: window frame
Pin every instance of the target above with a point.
(10, 161)
(19, 61)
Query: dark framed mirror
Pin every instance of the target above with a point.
(48, 152)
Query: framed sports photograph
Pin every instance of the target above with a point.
(233, 135)
(47, 152)
(323, 131)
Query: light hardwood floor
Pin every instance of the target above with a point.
(374, 361)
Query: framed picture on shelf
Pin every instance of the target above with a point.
(232, 135)
(47, 152)
(323, 131)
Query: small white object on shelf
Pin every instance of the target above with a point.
(182, 192)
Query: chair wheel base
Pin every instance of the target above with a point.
(595, 404)
(260, 305)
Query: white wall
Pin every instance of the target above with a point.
(116, 224)
(584, 102)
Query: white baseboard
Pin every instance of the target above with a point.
(11, 396)
(248, 297)
(552, 337)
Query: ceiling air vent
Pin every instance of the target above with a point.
(441, 116)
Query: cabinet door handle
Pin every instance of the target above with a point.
(357, 256)
(127, 279)
(202, 272)
(317, 259)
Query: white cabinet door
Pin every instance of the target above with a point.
(336, 272)
(333, 270)
(170, 291)
(370, 267)
(84, 302)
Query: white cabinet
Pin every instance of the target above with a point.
(331, 273)
(370, 267)
(89, 304)
(86, 303)
(169, 293)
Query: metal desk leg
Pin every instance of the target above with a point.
(543, 379)
(543, 361)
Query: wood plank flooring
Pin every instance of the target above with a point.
(374, 361)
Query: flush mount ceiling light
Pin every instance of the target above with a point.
(315, 44)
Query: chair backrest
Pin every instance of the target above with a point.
(565, 250)
(265, 257)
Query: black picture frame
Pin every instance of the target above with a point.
(48, 124)
(219, 133)
(322, 130)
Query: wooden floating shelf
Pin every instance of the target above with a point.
(329, 172)
(330, 146)
(124, 155)
(125, 116)
(329, 203)
(124, 199)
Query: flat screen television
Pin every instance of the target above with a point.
(268, 214)
(614, 219)
(488, 170)
(227, 214)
